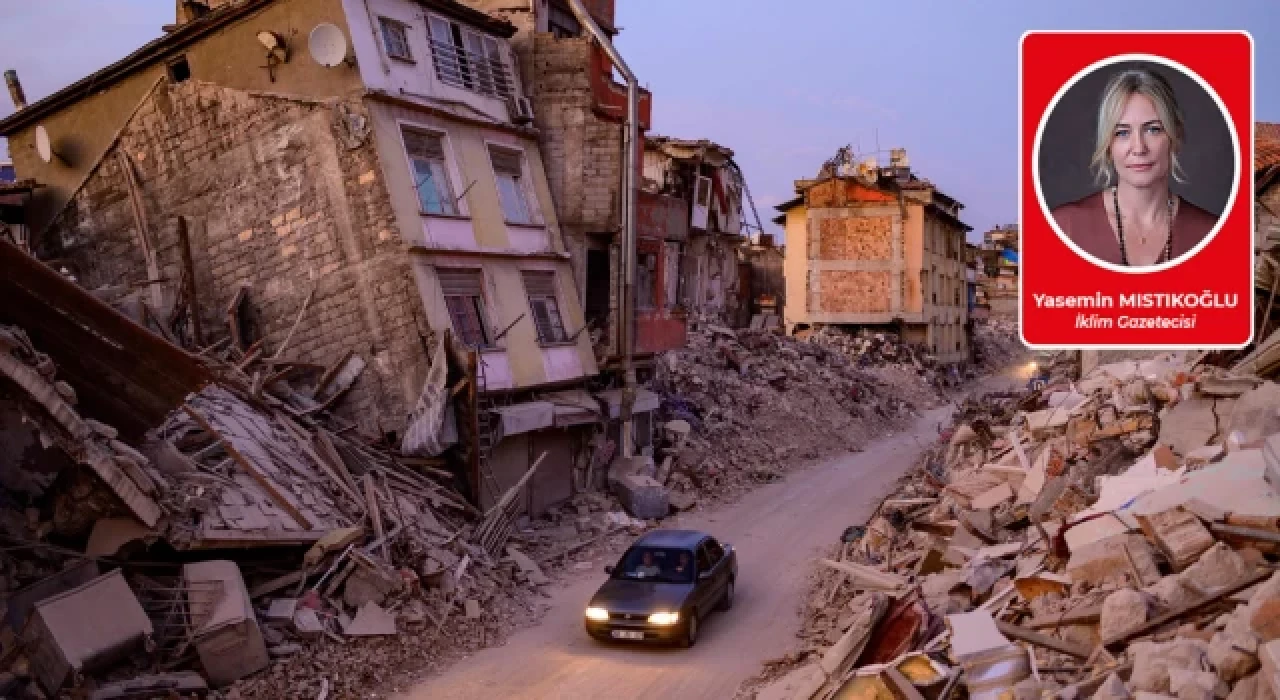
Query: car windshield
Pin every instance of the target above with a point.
(660, 564)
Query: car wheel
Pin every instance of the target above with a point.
(726, 599)
(690, 631)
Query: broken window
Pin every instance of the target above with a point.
(463, 295)
(646, 270)
(179, 69)
(468, 60)
(509, 171)
(395, 37)
(671, 275)
(701, 203)
(430, 173)
(541, 288)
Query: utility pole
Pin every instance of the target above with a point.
(630, 142)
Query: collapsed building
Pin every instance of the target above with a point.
(872, 246)
(393, 196)
(1111, 535)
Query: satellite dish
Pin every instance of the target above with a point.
(328, 45)
(43, 147)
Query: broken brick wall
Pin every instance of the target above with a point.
(857, 238)
(856, 291)
(280, 195)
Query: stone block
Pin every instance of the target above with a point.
(641, 496)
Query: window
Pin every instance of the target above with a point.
(562, 23)
(714, 551)
(507, 168)
(395, 37)
(465, 301)
(179, 69)
(646, 266)
(468, 60)
(430, 174)
(541, 288)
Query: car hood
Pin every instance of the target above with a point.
(621, 595)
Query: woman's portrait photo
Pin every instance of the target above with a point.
(1135, 164)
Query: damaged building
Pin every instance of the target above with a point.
(359, 206)
(872, 246)
(703, 175)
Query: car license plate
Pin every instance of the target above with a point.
(627, 634)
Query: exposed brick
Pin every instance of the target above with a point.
(856, 238)
(855, 291)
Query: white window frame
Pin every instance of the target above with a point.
(701, 212)
(467, 33)
(526, 184)
(451, 167)
(405, 29)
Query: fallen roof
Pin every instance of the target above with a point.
(117, 368)
(685, 149)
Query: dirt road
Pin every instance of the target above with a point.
(778, 530)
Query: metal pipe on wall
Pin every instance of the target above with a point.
(630, 140)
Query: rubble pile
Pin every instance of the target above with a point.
(252, 544)
(996, 344)
(746, 404)
(1114, 535)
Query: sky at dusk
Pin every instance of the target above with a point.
(783, 84)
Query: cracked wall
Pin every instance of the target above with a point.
(280, 195)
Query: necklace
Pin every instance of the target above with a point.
(1167, 253)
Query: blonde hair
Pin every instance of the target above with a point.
(1123, 85)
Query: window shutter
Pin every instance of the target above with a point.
(505, 162)
(423, 145)
(459, 283)
(540, 284)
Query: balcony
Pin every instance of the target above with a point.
(468, 70)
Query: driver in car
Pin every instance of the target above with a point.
(683, 566)
(647, 567)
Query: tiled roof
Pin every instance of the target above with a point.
(1266, 146)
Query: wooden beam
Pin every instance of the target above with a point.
(1043, 640)
(193, 301)
(281, 498)
(1184, 610)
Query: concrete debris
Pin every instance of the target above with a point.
(1089, 536)
(346, 556)
(758, 402)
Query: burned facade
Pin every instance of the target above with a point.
(870, 246)
(355, 212)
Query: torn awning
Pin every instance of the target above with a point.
(575, 407)
(525, 417)
(645, 401)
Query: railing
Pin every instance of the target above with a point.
(468, 70)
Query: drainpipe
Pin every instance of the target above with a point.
(631, 136)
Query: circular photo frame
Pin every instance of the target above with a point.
(1067, 185)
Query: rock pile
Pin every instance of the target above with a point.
(758, 402)
(1112, 536)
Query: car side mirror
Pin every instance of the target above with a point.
(608, 569)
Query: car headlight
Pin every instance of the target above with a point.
(664, 618)
(598, 614)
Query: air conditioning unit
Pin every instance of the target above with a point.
(521, 109)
